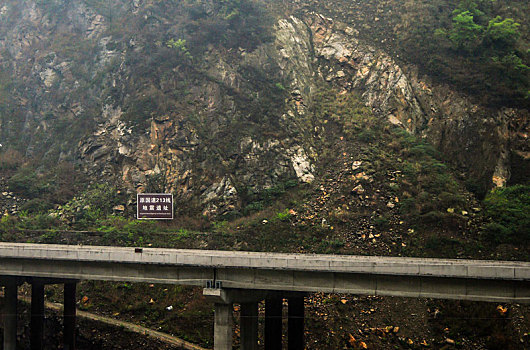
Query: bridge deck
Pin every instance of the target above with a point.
(415, 277)
(461, 268)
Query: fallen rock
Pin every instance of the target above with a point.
(449, 341)
(358, 189)
(119, 208)
(356, 165)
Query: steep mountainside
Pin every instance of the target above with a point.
(210, 99)
(340, 126)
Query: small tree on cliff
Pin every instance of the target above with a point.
(465, 34)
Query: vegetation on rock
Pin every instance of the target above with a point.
(509, 212)
(268, 145)
(491, 46)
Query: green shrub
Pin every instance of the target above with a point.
(49, 237)
(367, 135)
(254, 206)
(443, 245)
(103, 197)
(56, 185)
(423, 149)
(283, 215)
(479, 187)
(231, 215)
(25, 183)
(458, 44)
(330, 246)
(432, 166)
(36, 205)
(407, 206)
(442, 220)
(428, 184)
(465, 33)
(410, 170)
(93, 207)
(509, 212)
(503, 33)
(39, 221)
(450, 200)
(496, 233)
(405, 138)
(280, 86)
(10, 159)
(440, 183)
(512, 65)
(180, 48)
(140, 226)
(381, 222)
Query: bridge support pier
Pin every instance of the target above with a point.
(248, 299)
(295, 325)
(223, 326)
(37, 315)
(69, 316)
(273, 323)
(10, 314)
(249, 326)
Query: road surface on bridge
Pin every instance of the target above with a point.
(373, 275)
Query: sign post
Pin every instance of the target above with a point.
(154, 206)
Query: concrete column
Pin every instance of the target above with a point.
(222, 338)
(37, 315)
(69, 316)
(10, 315)
(249, 326)
(273, 323)
(296, 324)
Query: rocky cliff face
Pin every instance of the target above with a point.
(215, 128)
(476, 139)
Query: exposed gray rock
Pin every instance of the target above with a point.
(214, 148)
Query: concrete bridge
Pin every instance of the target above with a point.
(247, 278)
